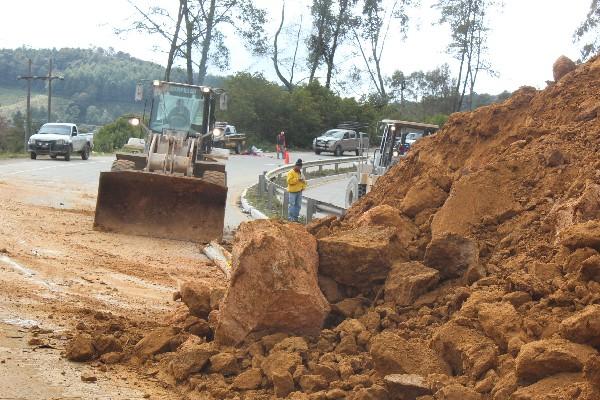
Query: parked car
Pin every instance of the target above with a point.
(226, 136)
(338, 141)
(60, 139)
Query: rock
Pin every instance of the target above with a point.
(197, 326)
(107, 344)
(280, 362)
(456, 391)
(350, 327)
(316, 226)
(562, 66)
(88, 377)
(248, 380)
(330, 289)
(283, 383)
(555, 159)
(269, 341)
(591, 371)
(158, 341)
(406, 386)
(328, 372)
(500, 321)
(111, 358)
(224, 364)
(407, 281)
(217, 295)
(388, 216)
(294, 344)
(196, 296)
(517, 298)
(394, 355)
(544, 358)
(583, 327)
(421, 196)
(582, 235)
(360, 256)
(347, 346)
(590, 269)
(274, 285)
(190, 362)
(348, 307)
(375, 392)
(335, 394)
(465, 349)
(81, 348)
(451, 255)
(566, 386)
(312, 383)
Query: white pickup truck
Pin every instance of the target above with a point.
(60, 139)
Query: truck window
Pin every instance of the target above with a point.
(74, 131)
(352, 135)
(346, 135)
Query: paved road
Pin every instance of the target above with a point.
(242, 171)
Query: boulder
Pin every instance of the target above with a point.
(583, 327)
(349, 307)
(590, 269)
(565, 386)
(312, 383)
(500, 321)
(224, 364)
(544, 358)
(465, 349)
(280, 362)
(360, 256)
(111, 358)
(196, 296)
(562, 66)
(456, 391)
(452, 255)
(421, 196)
(406, 386)
(392, 354)
(107, 344)
(582, 235)
(197, 326)
(283, 383)
(407, 281)
(248, 380)
(388, 216)
(191, 361)
(158, 341)
(375, 392)
(330, 289)
(274, 285)
(81, 348)
(591, 371)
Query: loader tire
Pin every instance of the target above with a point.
(122, 165)
(215, 177)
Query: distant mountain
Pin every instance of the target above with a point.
(98, 84)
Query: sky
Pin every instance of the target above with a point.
(526, 36)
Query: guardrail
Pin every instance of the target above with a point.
(268, 186)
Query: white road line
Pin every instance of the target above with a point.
(50, 167)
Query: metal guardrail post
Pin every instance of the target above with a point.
(310, 209)
(270, 195)
(337, 167)
(286, 203)
(320, 169)
(261, 185)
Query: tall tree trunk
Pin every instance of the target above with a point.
(210, 21)
(336, 35)
(189, 29)
(173, 47)
(287, 83)
(316, 56)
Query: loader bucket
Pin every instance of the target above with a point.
(163, 206)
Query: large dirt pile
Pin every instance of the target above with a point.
(471, 271)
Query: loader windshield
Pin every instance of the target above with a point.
(176, 107)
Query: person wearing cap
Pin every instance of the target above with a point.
(295, 185)
(281, 144)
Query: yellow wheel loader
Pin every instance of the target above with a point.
(175, 188)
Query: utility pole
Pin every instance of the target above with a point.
(50, 78)
(29, 78)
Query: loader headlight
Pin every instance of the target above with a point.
(395, 154)
(134, 121)
(217, 133)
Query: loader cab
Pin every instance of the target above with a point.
(181, 109)
(396, 137)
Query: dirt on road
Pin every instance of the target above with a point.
(57, 274)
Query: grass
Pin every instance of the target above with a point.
(262, 205)
(8, 155)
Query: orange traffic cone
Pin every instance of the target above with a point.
(286, 157)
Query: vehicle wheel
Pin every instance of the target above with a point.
(68, 155)
(53, 156)
(216, 177)
(122, 165)
(338, 151)
(317, 152)
(238, 148)
(32, 155)
(85, 153)
(362, 189)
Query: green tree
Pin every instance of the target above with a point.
(115, 135)
(589, 31)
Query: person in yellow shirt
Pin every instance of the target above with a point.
(295, 185)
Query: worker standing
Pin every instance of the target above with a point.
(281, 145)
(295, 185)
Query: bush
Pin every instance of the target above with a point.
(115, 135)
